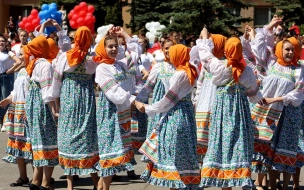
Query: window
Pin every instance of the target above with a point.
(236, 12)
(262, 15)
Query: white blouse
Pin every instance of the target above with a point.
(21, 86)
(146, 60)
(179, 87)
(6, 61)
(222, 74)
(43, 74)
(117, 83)
(61, 66)
(158, 55)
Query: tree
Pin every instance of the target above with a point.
(143, 11)
(190, 16)
(292, 10)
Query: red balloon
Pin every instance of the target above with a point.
(21, 24)
(91, 8)
(77, 8)
(73, 24)
(75, 17)
(27, 25)
(35, 22)
(24, 20)
(30, 18)
(70, 16)
(72, 11)
(34, 12)
(88, 19)
(80, 22)
(94, 19)
(83, 5)
(89, 14)
(82, 14)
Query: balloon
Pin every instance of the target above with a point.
(75, 17)
(94, 19)
(53, 5)
(53, 16)
(83, 5)
(30, 18)
(88, 19)
(24, 20)
(72, 11)
(82, 14)
(44, 7)
(70, 16)
(76, 8)
(35, 22)
(91, 8)
(80, 22)
(53, 9)
(27, 25)
(34, 12)
(162, 26)
(21, 24)
(89, 14)
(73, 24)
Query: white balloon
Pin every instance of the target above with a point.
(99, 30)
(148, 34)
(162, 26)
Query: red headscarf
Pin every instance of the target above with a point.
(234, 55)
(82, 41)
(279, 54)
(179, 57)
(38, 48)
(219, 45)
(101, 54)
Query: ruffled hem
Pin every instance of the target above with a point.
(145, 159)
(104, 172)
(78, 171)
(259, 169)
(259, 157)
(177, 184)
(145, 175)
(19, 153)
(49, 163)
(13, 160)
(224, 183)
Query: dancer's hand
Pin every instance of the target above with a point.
(140, 106)
(5, 102)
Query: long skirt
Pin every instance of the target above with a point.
(228, 162)
(42, 127)
(77, 131)
(114, 138)
(172, 148)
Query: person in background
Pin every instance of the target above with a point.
(17, 23)
(192, 43)
(10, 25)
(31, 36)
(64, 14)
(294, 30)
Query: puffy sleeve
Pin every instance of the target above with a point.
(199, 84)
(64, 42)
(221, 74)
(247, 53)
(148, 87)
(134, 47)
(110, 87)
(58, 75)
(45, 81)
(296, 96)
(179, 88)
(248, 80)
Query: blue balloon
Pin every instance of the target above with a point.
(44, 7)
(47, 31)
(53, 9)
(53, 5)
(53, 16)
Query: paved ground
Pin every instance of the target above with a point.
(9, 173)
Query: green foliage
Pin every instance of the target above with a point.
(292, 10)
(189, 16)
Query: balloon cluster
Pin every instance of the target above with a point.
(31, 22)
(82, 15)
(50, 12)
(102, 31)
(154, 30)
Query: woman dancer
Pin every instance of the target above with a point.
(227, 164)
(174, 160)
(77, 132)
(19, 146)
(113, 115)
(40, 112)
